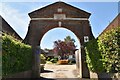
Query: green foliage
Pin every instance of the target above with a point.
(93, 56)
(48, 59)
(103, 54)
(63, 48)
(54, 60)
(42, 59)
(69, 39)
(16, 56)
(109, 46)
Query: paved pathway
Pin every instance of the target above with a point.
(54, 71)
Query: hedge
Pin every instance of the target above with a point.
(109, 46)
(93, 57)
(103, 54)
(16, 56)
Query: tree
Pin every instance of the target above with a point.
(65, 47)
(70, 44)
(69, 39)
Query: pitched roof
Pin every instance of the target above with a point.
(60, 4)
(115, 23)
(6, 28)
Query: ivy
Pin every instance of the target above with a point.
(16, 56)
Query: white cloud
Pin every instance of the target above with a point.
(16, 18)
(18, 21)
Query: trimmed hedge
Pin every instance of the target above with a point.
(109, 46)
(103, 54)
(93, 57)
(16, 56)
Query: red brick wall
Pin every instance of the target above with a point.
(115, 23)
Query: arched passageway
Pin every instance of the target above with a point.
(59, 14)
(54, 70)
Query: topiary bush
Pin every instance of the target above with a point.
(16, 56)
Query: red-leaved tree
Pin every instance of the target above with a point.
(65, 47)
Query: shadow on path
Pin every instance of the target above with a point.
(41, 78)
(46, 71)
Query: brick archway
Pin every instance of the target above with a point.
(55, 15)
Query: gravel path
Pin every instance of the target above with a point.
(54, 71)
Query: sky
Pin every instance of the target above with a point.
(16, 14)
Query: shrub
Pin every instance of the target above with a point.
(109, 46)
(54, 60)
(103, 54)
(48, 59)
(93, 56)
(42, 59)
(16, 56)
